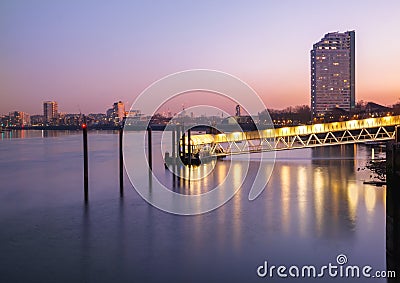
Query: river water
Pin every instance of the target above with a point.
(314, 208)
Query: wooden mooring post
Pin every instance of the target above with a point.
(149, 148)
(85, 163)
(393, 204)
(121, 162)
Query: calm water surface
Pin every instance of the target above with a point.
(314, 207)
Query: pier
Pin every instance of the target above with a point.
(193, 147)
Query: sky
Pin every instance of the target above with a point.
(88, 54)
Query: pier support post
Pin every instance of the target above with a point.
(149, 148)
(183, 146)
(121, 163)
(393, 205)
(173, 143)
(189, 149)
(85, 163)
(178, 140)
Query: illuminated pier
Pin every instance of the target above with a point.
(335, 133)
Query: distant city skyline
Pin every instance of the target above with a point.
(87, 55)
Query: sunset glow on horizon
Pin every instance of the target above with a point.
(88, 55)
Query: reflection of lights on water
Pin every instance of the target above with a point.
(222, 172)
(237, 174)
(193, 177)
(302, 197)
(370, 198)
(237, 201)
(285, 196)
(384, 198)
(352, 199)
(335, 197)
(319, 201)
(195, 186)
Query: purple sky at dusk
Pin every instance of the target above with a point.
(88, 54)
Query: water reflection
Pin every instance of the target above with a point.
(27, 134)
(303, 193)
(285, 196)
(314, 202)
(327, 183)
(302, 189)
(323, 195)
(23, 134)
(370, 199)
(85, 244)
(237, 206)
(352, 198)
(319, 199)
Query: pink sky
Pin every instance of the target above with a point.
(86, 57)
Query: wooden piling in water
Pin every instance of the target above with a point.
(149, 148)
(173, 144)
(183, 146)
(393, 204)
(178, 142)
(85, 163)
(121, 163)
(189, 149)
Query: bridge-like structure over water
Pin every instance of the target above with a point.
(286, 138)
